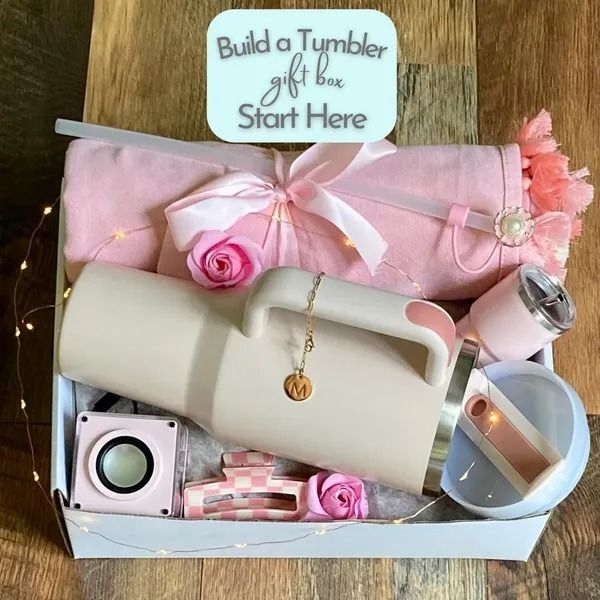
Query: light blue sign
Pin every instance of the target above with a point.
(301, 75)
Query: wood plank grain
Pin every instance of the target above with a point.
(554, 48)
(566, 562)
(518, 580)
(440, 32)
(440, 579)
(437, 104)
(33, 561)
(147, 69)
(325, 579)
(133, 579)
(545, 55)
(571, 544)
(43, 55)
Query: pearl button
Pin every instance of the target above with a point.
(513, 225)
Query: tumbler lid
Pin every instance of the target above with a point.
(556, 411)
(466, 361)
(546, 299)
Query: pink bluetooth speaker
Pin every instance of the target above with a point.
(518, 316)
(129, 464)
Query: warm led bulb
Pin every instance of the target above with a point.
(47, 210)
(87, 519)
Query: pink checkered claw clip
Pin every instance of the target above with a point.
(249, 491)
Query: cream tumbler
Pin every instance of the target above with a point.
(387, 371)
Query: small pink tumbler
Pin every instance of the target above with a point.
(518, 316)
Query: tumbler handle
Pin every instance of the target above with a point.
(358, 306)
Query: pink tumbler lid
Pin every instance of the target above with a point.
(546, 299)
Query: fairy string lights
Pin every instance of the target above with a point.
(117, 235)
(275, 217)
(348, 243)
(84, 523)
(28, 326)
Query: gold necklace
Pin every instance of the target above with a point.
(297, 385)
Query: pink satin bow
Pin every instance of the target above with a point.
(227, 199)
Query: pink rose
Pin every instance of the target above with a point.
(222, 260)
(335, 496)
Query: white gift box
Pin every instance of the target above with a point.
(94, 535)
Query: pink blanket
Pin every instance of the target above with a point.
(337, 209)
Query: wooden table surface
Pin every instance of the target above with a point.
(466, 73)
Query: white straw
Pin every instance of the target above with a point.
(422, 206)
(259, 162)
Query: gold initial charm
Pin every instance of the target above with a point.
(297, 386)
